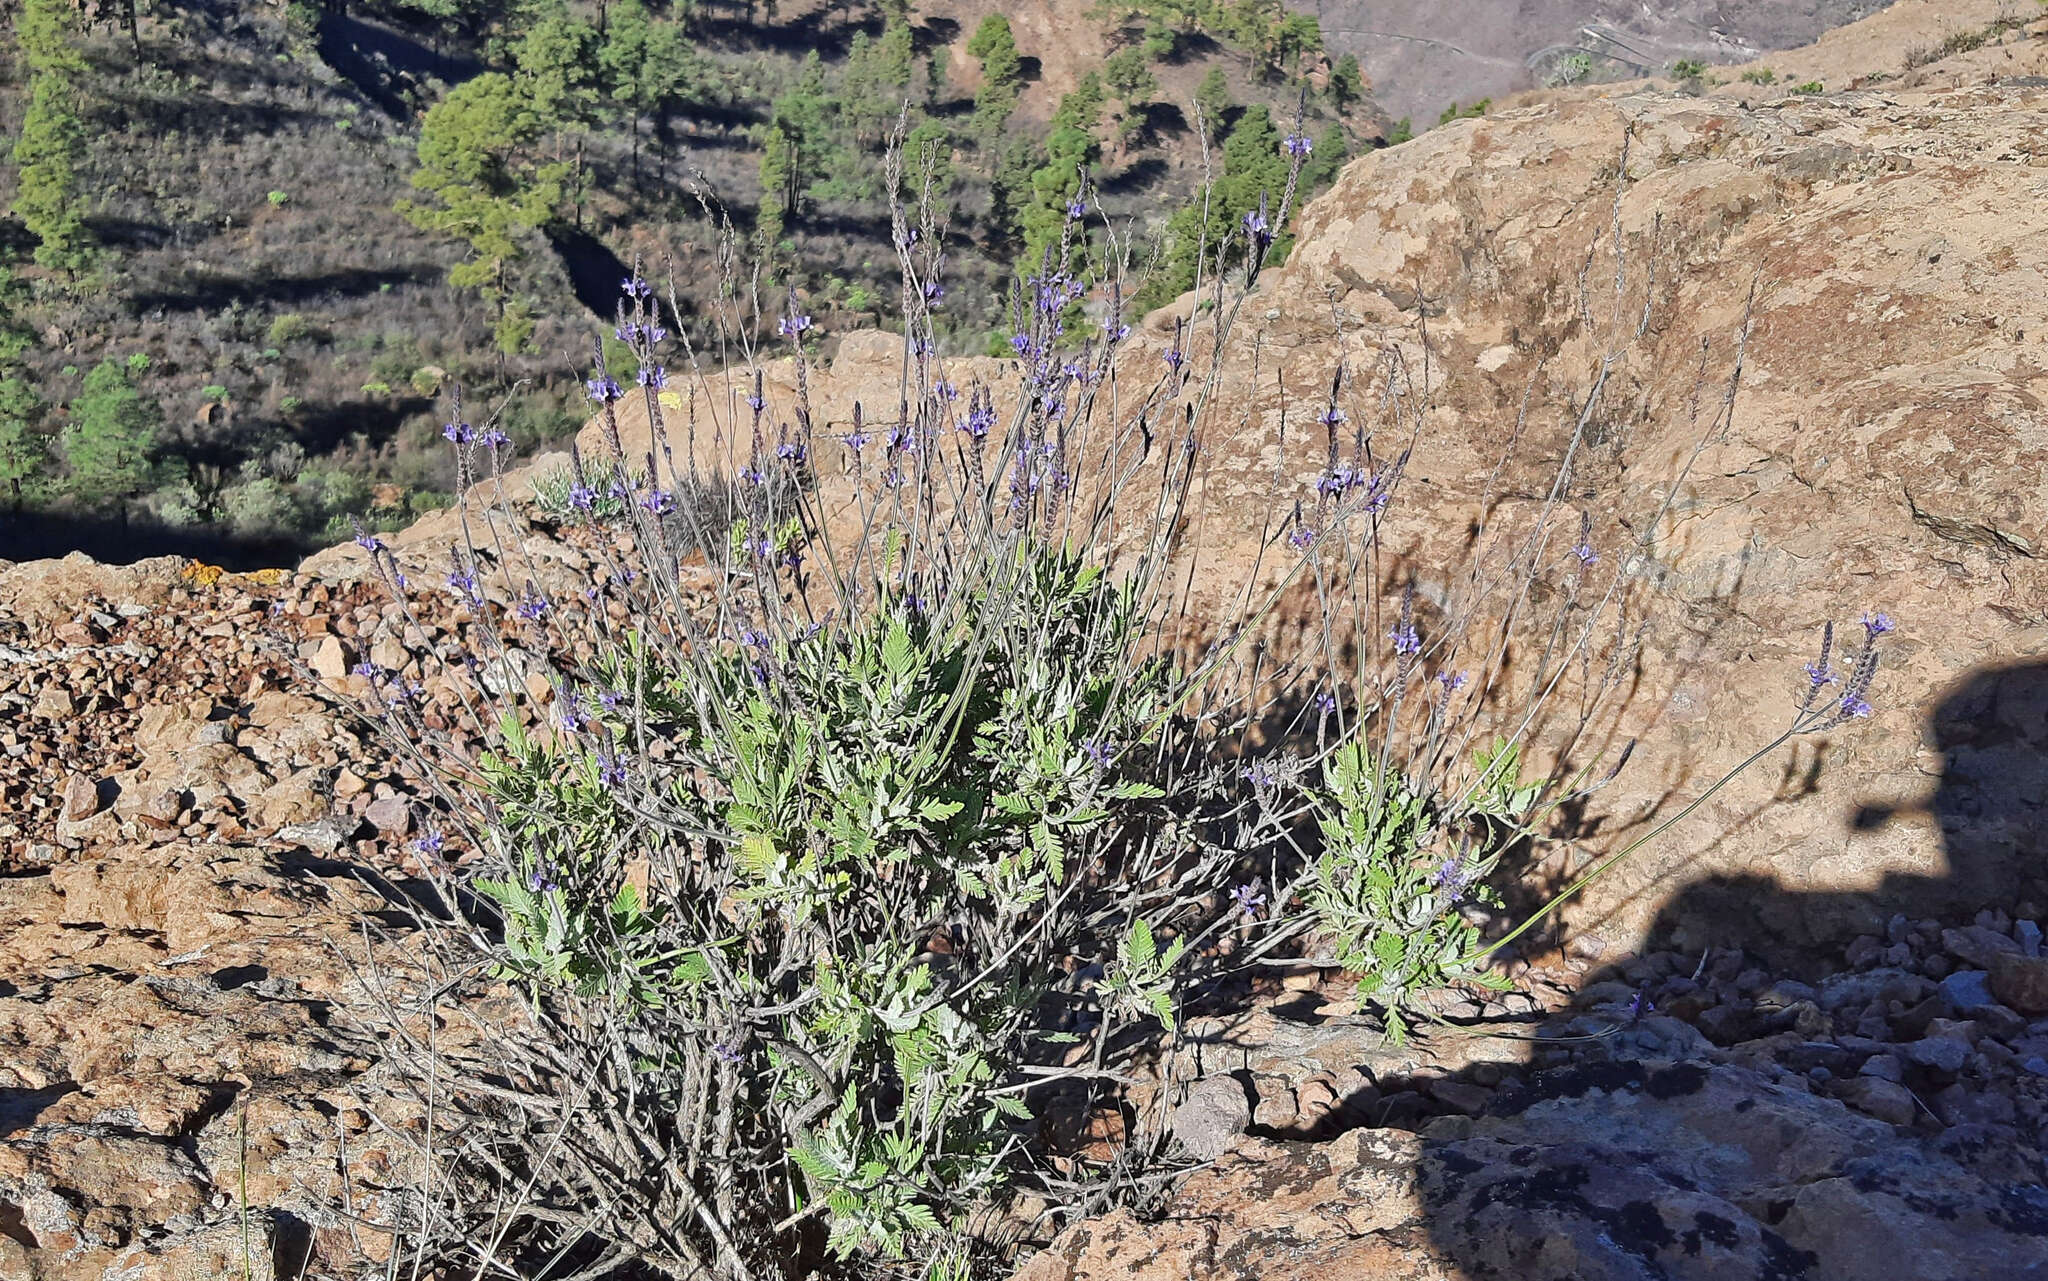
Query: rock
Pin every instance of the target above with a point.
(1944, 1054)
(1215, 1112)
(1977, 944)
(390, 815)
(1966, 991)
(2021, 982)
(1460, 1096)
(1886, 1100)
(329, 660)
(2028, 935)
(1614, 1172)
(81, 798)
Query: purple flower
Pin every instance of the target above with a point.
(1326, 702)
(430, 843)
(611, 699)
(1333, 417)
(531, 607)
(540, 880)
(1452, 682)
(368, 671)
(369, 543)
(856, 441)
(1249, 899)
(1173, 358)
(1878, 624)
(1261, 774)
(1020, 343)
(604, 389)
(582, 497)
(1297, 145)
(756, 403)
(1818, 675)
(659, 502)
(1255, 225)
(1098, 751)
(1452, 875)
(792, 325)
(1584, 551)
(1302, 538)
(462, 583)
(459, 433)
(1853, 706)
(1640, 1004)
(627, 333)
(1405, 640)
(493, 439)
(635, 287)
(791, 452)
(945, 390)
(1076, 208)
(611, 771)
(1116, 330)
(933, 291)
(652, 377)
(725, 1053)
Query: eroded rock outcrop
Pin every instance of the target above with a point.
(1617, 1172)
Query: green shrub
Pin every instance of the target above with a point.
(1810, 87)
(1760, 76)
(289, 328)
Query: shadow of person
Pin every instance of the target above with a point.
(1989, 811)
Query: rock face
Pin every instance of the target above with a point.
(168, 1043)
(1615, 1172)
(1887, 451)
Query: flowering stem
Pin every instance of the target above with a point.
(1601, 867)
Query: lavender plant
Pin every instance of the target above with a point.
(875, 783)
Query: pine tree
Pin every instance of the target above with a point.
(1213, 100)
(110, 441)
(485, 185)
(51, 146)
(1347, 82)
(1002, 75)
(793, 147)
(24, 452)
(647, 64)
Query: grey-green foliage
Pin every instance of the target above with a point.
(905, 775)
(1397, 862)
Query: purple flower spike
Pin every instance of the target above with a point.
(1297, 146)
(1249, 899)
(792, 325)
(1405, 639)
(459, 433)
(1878, 624)
(493, 439)
(604, 389)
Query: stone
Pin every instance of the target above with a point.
(1977, 944)
(81, 798)
(1215, 1112)
(1943, 1054)
(390, 815)
(1886, 1100)
(329, 660)
(2021, 982)
(1966, 991)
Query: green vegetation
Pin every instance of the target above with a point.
(1456, 112)
(1810, 87)
(109, 444)
(50, 149)
(1688, 69)
(1760, 76)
